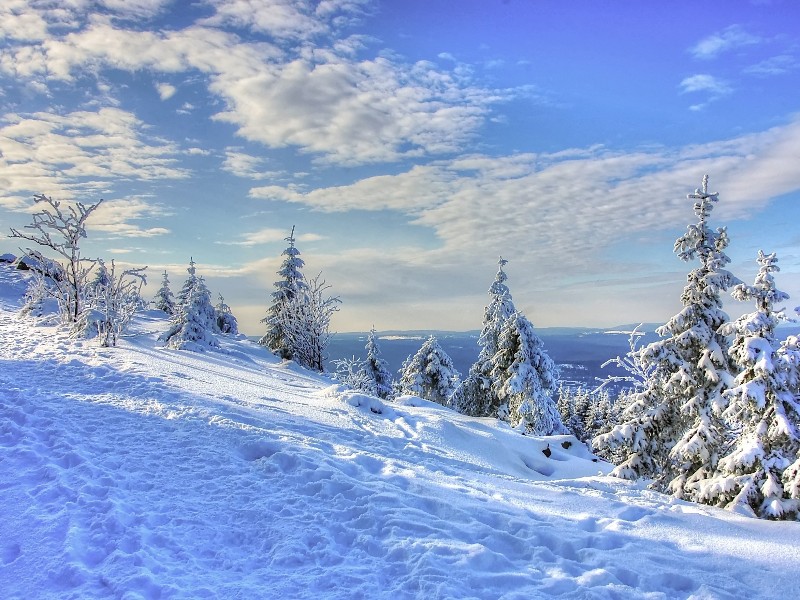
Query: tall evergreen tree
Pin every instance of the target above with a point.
(762, 409)
(525, 378)
(377, 368)
(429, 374)
(671, 431)
(477, 394)
(287, 297)
(164, 299)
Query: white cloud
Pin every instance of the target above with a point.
(243, 165)
(18, 22)
(729, 39)
(344, 110)
(705, 83)
(135, 9)
(79, 152)
(356, 112)
(408, 192)
(776, 65)
(166, 91)
(117, 218)
(270, 236)
(279, 18)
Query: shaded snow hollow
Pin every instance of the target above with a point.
(141, 472)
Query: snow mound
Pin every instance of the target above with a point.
(142, 472)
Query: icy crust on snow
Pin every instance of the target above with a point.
(144, 472)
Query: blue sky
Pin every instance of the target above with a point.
(411, 143)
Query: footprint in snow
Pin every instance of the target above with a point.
(9, 552)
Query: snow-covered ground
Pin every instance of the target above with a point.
(141, 472)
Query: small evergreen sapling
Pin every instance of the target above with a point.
(429, 374)
(223, 316)
(352, 373)
(164, 299)
(377, 368)
(193, 325)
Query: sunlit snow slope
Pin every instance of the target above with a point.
(141, 472)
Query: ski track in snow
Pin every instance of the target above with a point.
(141, 472)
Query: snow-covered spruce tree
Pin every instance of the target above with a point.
(762, 409)
(672, 431)
(304, 322)
(286, 299)
(789, 356)
(477, 394)
(112, 299)
(429, 374)
(224, 319)
(525, 378)
(188, 285)
(193, 325)
(61, 231)
(164, 300)
(565, 403)
(377, 368)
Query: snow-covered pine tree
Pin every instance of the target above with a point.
(565, 403)
(291, 289)
(429, 374)
(377, 368)
(188, 285)
(525, 378)
(600, 414)
(224, 319)
(671, 432)
(193, 324)
(477, 394)
(164, 300)
(100, 280)
(762, 409)
(789, 356)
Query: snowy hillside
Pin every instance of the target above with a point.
(141, 472)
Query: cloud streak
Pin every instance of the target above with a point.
(569, 204)
(729, 39)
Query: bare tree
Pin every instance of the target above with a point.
(61, 231)
(305, 321)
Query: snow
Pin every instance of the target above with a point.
(144, 472)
